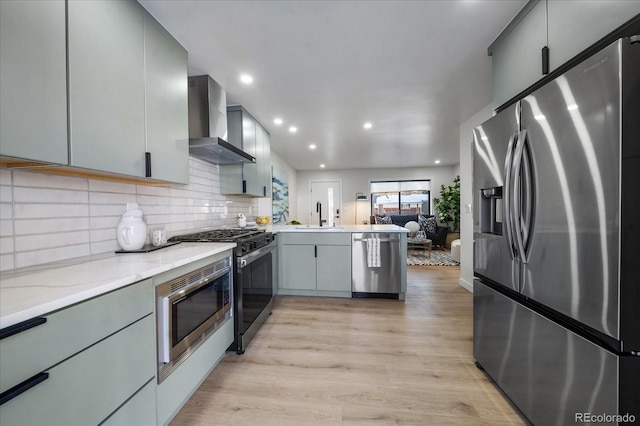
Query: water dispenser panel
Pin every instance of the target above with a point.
(491, 210)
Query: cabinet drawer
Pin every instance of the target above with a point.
(139, 410)
(86, 388)
(313, 238)
(70, 330)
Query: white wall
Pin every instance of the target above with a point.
(358, 180)
(48, 218)
(466, 195)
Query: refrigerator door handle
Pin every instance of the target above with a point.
(517, 196)
(529, 195)
(508, 165)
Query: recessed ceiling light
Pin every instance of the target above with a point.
(437, 161)
(293, 129)
(277, 121)
(367, 125)
(322, 166)
(312, 146)
(246, 79)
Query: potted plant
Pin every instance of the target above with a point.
(448, 208)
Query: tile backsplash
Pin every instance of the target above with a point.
(48, 218)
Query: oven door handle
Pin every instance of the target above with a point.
(254, 255)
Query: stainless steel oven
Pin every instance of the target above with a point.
(190, 308)
(253, 291)
(252, 277)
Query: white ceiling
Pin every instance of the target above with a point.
(414, 69)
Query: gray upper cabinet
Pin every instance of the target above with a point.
(249, 170)
(96, 96)
(263, 144)
(247, 134)
(167, 125)
(573, 27)
(106, 86)
(566, 27)
(33, 88)
(517, 54)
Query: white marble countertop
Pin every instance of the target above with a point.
(342, 228)
(31, 292)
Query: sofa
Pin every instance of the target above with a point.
(439, 238)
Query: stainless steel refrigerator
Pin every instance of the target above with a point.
(557, 244)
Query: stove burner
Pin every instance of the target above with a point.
(217, 235)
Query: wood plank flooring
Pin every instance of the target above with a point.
(331, 361)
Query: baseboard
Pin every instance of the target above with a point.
(466, 285)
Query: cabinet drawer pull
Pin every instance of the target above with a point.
(147, 164)
(21, 326)
(21, 388)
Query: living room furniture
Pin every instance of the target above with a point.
(455, 250)
(439, 238)
(416, 243)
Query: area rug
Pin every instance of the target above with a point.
(437, 258)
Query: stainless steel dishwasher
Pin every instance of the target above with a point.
(382, 281)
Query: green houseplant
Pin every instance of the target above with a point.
(448, 205)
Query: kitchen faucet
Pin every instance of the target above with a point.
(319, 211)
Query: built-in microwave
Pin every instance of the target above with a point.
(189, 309)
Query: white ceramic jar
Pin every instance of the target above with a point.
(132, 231)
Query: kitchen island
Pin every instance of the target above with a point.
(322, 261)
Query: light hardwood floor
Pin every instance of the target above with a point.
(358, 362)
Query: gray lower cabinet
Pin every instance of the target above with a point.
(317, 263)
(106, 86)
(298, 267)
(333, 268)
(176, 389)
(99, 355)
(33, 81)
(139, 410)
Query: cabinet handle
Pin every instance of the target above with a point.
(315, 251)
(545, 60)
(21, 326)
(147, 164)
(21, 388)
(264, 191)
(244, 186)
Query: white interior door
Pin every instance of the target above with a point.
(325, 196)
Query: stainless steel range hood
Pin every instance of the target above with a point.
(208, 124)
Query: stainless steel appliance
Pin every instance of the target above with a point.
(208, 124)
(252, 277)
(556, 209)
(190, 308)
(382, 281)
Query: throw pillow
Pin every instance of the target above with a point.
(427, 223)
(383, 220)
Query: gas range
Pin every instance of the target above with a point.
(252, 277)
(247, 239)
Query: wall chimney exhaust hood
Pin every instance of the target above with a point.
(208, 124)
